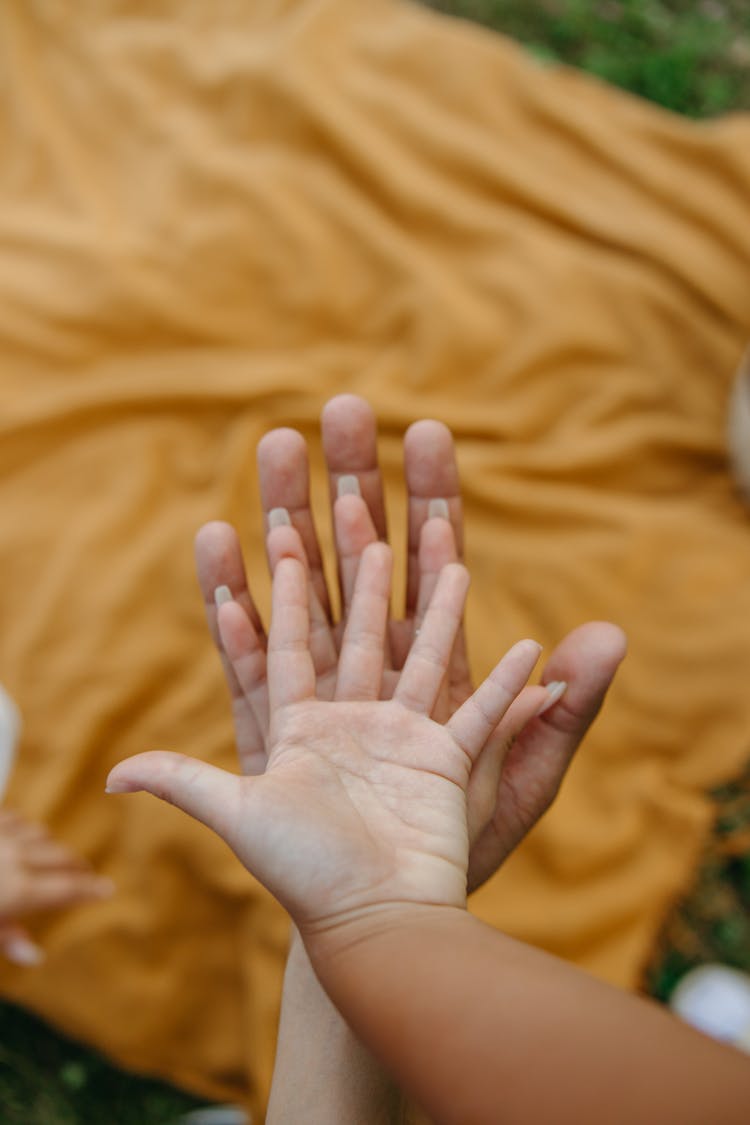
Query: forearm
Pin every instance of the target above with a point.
(323, 1075)
(481, 1029)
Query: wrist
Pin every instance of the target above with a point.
(323, 1073)
(361, 933)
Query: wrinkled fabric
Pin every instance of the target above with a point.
(213, 217)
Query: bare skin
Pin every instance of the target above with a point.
(359, 825)
(504, 804)
(377, 804)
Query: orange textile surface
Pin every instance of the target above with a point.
(214, 216)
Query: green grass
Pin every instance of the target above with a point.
(694, 58)
(45, 1079)
(713, 922)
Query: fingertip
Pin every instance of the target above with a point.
(289, 582)
(218, 561)
(285, 542)
(519, 659)
(289, 565)
(349, 433)
(430, 464)
(283, 472)
(379, 552)
(349, 506)
(353, 524)
(458, 573)
(437, 544)
(588, 656)
(603, 636)
(208, 532)
(344, 406)
(280, 441)
(215, 549)
(201, 790)
(527, 651)
(428, 431)
(617, 638)
(128, 775)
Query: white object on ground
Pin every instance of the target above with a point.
(216, 1115)
(716, 1000)
(10, 729)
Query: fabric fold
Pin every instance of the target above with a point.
(216, 216)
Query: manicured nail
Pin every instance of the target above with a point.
(555, 690)
(438, 509)
(222, 594)
(119, 786)
(278, 517)
(348, 486)
(21, 951)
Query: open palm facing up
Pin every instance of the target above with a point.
(363, 801)
(522, 766)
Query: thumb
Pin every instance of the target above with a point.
(586, 660)
(209, 794)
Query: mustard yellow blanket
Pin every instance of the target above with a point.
(215, 215)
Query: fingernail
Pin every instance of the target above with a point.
(555, 690)
(23, 952)
(438, 509)
(118, 786)
(222, 594)
(278, 517)
(348, 486)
